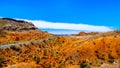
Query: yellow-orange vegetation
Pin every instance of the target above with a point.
(15, 36)
(66, 52)
(102, 48)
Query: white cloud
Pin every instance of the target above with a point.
(69, 26)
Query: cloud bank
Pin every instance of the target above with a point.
(68, 26)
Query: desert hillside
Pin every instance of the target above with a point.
(86, 33)
(12, 31)
(83, 50)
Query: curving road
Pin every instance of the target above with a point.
(40, 40)
(21, 43)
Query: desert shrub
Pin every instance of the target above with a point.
(17, 39)
(96, 51)
(100, 57)
(36, 59)
(101, 62)
(2, 33)
(84, 65)
(45, 52)
(110, 58)
(90, 63)
(15, 57)
(12, 66)
(1, 62)
(15, 48)
(94, 43)
(32, 43)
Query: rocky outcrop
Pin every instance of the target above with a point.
(86, 34)
(15, 25)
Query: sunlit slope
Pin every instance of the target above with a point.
(12, 31)
(64, 52)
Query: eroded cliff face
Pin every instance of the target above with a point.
(15, 25)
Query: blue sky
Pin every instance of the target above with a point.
(91, 12)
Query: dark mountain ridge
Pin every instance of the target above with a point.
(15, 25)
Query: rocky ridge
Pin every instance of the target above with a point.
(15, 25)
